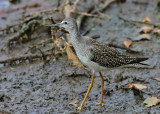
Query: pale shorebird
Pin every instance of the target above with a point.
(94, 55)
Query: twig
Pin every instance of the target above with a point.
(10, 26)
(52, 20)
(68, 7)
(43, 55)
(86, 14)
(21, 22)
(122, 47)
(87, 31)
(95, 36)
(139, 22)
(91, 11)
(23, 7)
(13, 61)
(43, 11)
(53, 39)
(44, 42)
(107, 3)
(76, 3)
(17, 36)
(102, 14)
(53, 33)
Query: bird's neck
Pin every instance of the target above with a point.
(75, 37)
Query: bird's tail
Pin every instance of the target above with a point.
(138, 61)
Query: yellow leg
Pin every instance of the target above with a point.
(102, 87)
(89, 89)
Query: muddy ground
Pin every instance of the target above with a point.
(34, 88)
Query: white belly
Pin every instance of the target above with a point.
(91, 65)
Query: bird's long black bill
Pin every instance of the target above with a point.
(53, 25)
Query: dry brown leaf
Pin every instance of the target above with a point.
(151, 101)
(127, 43)
(53, 32)
(101, 24)
(143, 37)
(138, 86)
(2, 13)
(145, 29)
(72, 57)
(59, 45)
(74, 103)
(158, 79)
(146, 19)
(156, 31)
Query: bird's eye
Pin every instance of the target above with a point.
(65, 22)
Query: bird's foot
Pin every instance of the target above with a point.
(79, 108)
(100, 103)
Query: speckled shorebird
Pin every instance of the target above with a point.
(96, 56)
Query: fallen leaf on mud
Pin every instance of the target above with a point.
(145, 29)
(158, 79)
(4, 112)
(151, 101)
(127, 43)
(74, 103)
(156, 31)
(138, 86)
(146, 19)
(72, 57)
(101, 24)
(143, 37)
(2, 13)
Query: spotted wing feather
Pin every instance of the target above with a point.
(108, 57)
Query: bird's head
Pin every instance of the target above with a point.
(68, 24)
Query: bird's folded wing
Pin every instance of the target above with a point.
(108, 57)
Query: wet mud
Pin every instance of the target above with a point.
(37, 88)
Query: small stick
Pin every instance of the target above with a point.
(53, 39)
(23, 7)
(22, 58)
(43, 11)
(86, 14)
(139, 22)
(43, 55)
(107, 3)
